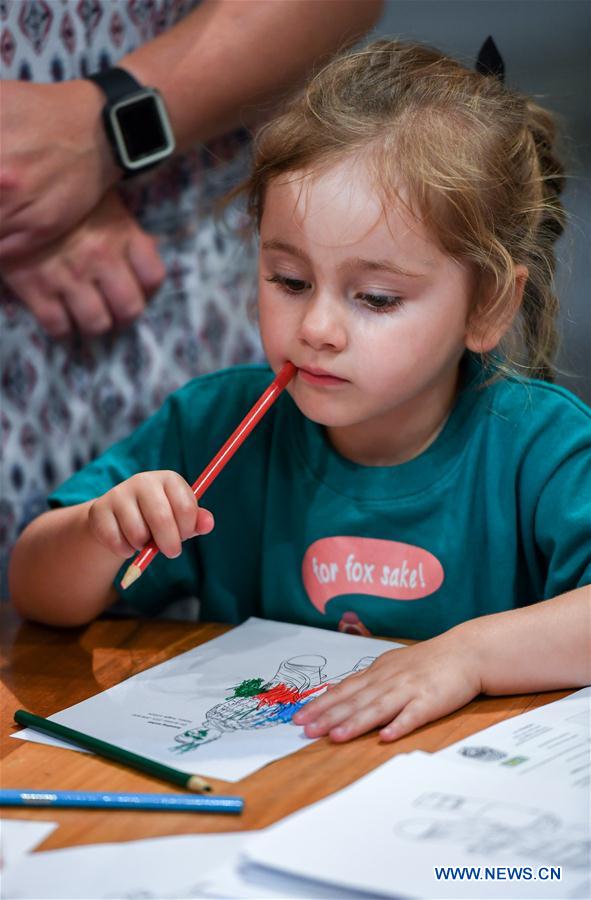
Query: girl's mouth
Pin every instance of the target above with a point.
(320, 378)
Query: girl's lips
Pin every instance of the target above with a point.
(320, 379)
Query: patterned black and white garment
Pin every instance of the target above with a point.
(64, 401)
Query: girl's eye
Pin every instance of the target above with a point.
(380, 302)
(289, 285)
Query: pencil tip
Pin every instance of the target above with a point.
(132, 574)
(195, 783)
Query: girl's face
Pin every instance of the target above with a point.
(367, 306)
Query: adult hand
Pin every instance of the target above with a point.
(400, 691)
(56, 162)
(93, 279)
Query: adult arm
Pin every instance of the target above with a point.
(218, 68)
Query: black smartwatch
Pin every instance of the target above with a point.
(135, 120)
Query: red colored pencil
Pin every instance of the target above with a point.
(224, 455)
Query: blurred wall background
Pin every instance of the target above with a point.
(546, 45)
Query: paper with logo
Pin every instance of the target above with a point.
(552, 741)
(420, 826)
(224, 709)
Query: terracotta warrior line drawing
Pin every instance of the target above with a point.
(256, 704)
(482, 826)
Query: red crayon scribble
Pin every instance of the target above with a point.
(281, 693)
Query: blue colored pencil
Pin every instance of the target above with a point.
(106, 800)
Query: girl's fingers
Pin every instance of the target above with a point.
(378, 711)
(157, 512)
(105, 528)
(348, 709)
(133, 525)
(337, 693)
(183, 504)
(411, 716)
(205, 521)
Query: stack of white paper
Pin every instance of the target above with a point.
(19, 836)
(420, 826)
(157, 868)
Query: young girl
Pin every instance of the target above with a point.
(408, 484)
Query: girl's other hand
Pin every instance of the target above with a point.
(150, 505)
(400, 691)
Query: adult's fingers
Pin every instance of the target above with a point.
(146, 262)
(122, 293)
(47, 308)
(87, 307)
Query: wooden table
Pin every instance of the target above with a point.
(46, 669)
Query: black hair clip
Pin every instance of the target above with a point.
(489, 61)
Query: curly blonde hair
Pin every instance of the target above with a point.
(476, 158)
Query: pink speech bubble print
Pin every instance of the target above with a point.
(355, 565)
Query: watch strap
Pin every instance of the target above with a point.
(116, 83)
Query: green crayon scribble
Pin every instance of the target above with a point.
(249, 688)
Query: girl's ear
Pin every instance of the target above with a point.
(487, 327)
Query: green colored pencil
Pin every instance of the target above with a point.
(110, 751)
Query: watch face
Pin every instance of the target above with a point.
(141, 129)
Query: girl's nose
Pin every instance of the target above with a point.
(321, 326)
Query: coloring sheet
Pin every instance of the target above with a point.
(398, 830)
(224, 709)
(551, 741)
(153, 869)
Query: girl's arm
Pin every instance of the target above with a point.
(59, 573)
(64, 563)
(546, 646)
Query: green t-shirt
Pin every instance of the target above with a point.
(495, 514)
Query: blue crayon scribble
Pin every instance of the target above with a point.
(286, 711)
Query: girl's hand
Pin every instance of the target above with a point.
(158, 505)
(400, 691)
